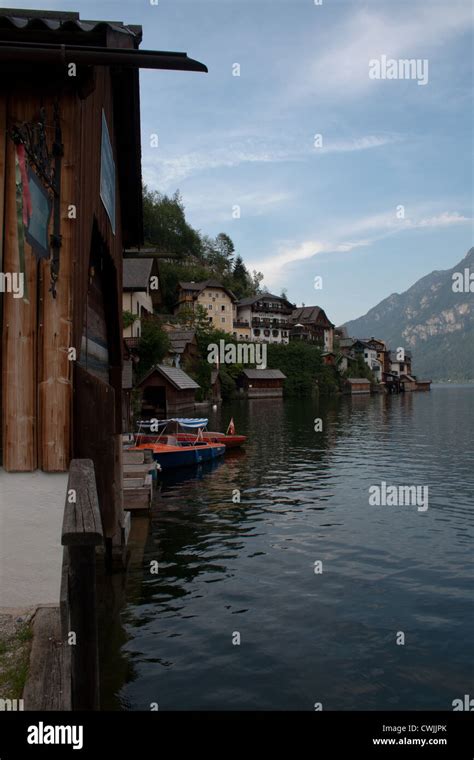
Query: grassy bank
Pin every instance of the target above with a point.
(15, 645)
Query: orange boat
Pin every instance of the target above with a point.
(229, 439)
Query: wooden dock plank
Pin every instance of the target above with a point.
(48, 683)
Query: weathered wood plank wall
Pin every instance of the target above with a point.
(19, 326)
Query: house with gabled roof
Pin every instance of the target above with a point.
(166, 391)
(266, 317)
(262, 383)
(217, 300)
(141, 293)
(310, 323)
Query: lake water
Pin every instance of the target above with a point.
(248, 568)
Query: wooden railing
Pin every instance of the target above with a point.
(81, 533)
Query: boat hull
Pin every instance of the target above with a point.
(171, 457)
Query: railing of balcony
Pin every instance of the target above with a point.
(276, 308)
(271, 323)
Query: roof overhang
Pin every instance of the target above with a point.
(38, 52)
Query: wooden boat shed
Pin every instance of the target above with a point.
(355, 386)
(71, 202)
(262, 383)
(167, 391)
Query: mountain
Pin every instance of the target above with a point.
(430, 319)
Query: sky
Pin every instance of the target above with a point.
(341, 188)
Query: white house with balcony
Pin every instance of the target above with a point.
(266, 316)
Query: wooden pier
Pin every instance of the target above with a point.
(138, 472)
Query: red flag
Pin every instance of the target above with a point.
(231, 428)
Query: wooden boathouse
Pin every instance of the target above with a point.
(356, 386)
(167, 391)
(71, 202)
(262, 383)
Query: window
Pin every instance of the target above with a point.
(256, 333)
(275, 333)
(223, 307)
(266, 333)
(210, 307)
(222, 319)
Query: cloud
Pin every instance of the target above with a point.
(216, 207)
(340, 239)
(342, 68)
(171, 170)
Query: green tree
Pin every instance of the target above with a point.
(241, 282)
(193, 318)
(165, 225)
(257, 278)
(128, 319)
(153, 345)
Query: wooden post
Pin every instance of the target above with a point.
(3, 129)
(19, 327)
(82, 532)
(55, 369)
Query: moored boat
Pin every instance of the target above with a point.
(176, 449)
(229, 439)
(182, 454)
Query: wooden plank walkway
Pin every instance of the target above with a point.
(48, 686)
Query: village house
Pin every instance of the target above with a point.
(382, 353)
(354, 347)
(74, 143)
(140, 292)
(183, 346)
(242, 329)
(217, 300)
(266, 316)
(310, 323)
(401, 367)
(262, 383)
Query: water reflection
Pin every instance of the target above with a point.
(248, 565)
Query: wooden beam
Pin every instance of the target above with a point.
(48, 686)
(148, 253)
(3, 129)
(82, 523)
(81, 533)
(55, 369)
(19, 326)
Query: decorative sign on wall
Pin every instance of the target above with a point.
(107, 173)
(36, 232)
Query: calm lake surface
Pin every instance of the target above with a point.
(249, 568)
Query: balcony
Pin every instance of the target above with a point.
(271, 324)
(276, 309)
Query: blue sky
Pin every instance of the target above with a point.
(248, 140)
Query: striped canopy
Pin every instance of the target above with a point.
(191, 422)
